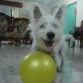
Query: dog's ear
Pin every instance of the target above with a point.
(60, 12)
(36, 12)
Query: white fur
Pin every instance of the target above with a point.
(52, 23)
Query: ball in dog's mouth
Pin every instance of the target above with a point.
(48, 44)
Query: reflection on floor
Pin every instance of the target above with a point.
(10, 57)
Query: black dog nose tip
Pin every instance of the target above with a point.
(50, 35)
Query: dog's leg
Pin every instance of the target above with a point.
(59, 62)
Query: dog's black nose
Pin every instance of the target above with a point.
(50, 35)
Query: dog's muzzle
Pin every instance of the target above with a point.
(50, 40)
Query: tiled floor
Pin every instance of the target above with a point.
(10, 57)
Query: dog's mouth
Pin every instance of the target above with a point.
(48, 44)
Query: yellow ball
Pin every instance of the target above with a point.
(37, 67)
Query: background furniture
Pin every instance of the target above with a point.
(14, 29)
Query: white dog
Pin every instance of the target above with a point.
(47, 32)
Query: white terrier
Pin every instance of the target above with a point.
(47, 32)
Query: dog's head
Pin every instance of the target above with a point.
(46, 29)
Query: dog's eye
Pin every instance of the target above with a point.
(42, 26)
(54, 25)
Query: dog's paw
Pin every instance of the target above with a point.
(59, 70)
